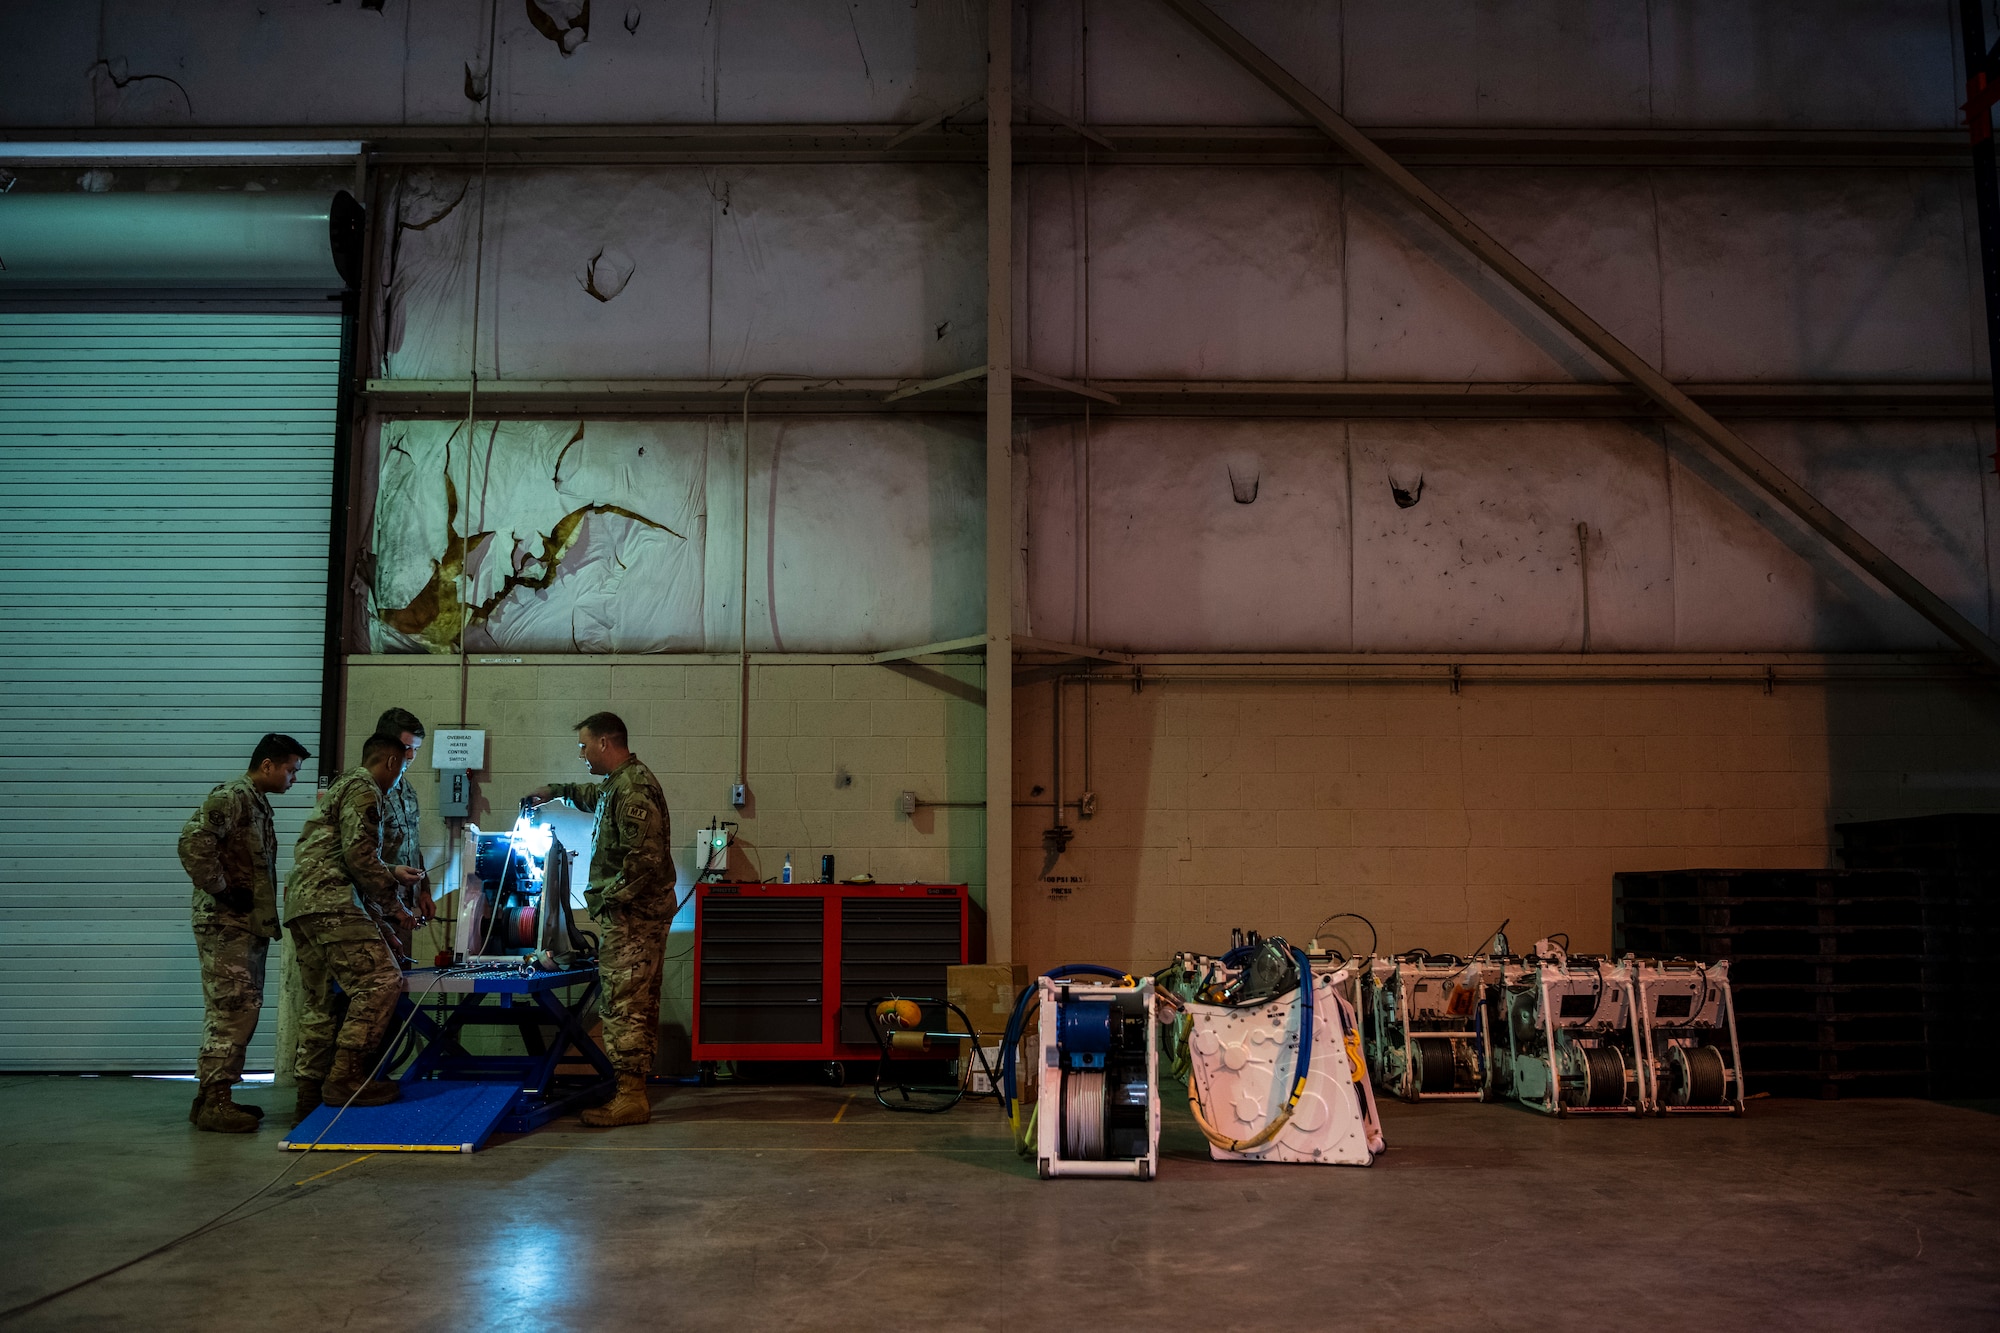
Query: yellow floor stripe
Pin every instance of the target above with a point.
(843, 1108)
(342, 1167)
(377, 1147)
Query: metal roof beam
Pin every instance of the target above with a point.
(1737, 451)
(947, 139)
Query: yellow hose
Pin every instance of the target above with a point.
(1257, 1140)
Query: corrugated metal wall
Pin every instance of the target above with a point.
(163, 545)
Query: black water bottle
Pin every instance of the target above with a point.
(826, 868)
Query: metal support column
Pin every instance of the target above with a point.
(999, 481)
(1733, 448)
(1982, 90)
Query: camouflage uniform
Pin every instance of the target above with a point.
(402, 847)
(632, 896)
(339, 885)
(229, 848)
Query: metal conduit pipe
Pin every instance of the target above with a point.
(739, 797)
(1088, 790)
(1083, 806)
(1765, 677)
(1056, 790)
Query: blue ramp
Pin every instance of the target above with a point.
(446, 1115)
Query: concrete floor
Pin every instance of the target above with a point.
(792, 1207)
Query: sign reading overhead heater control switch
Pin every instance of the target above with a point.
(458, 749)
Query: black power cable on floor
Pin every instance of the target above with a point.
(224, 1217)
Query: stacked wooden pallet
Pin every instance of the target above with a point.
(1957, 860)
(1836, 989)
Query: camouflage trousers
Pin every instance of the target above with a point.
(628, 964)
(232, 993)
(346, 949)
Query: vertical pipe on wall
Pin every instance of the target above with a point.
(1083, 808)
(1583, 573)
(738, 798)
(1056, 749)
(1083, 117)
(999, 480)
(339, 525)
(1089, 634)
(1979, 78)
(472, 368)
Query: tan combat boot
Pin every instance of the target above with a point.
(309, 1098)
(218, 1114)
(201, 1095)
(349, 1084)
(630, 1107)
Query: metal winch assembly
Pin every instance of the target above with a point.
(1573, 1042)
(1275, 1065)
(514, 902)
(1688, 1029)
(1098, 1102)
(1429, 1033)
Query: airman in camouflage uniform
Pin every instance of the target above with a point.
(631, 894)
(339, 889)
(401, 817)
(229, 848)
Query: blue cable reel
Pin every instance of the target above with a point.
(1098, 1115)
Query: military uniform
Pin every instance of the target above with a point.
(401, 847)
(632, 896)
(339, 887)
(229, 848)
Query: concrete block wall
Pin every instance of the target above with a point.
(1221, 803)
(832, 745)
(1436, 815)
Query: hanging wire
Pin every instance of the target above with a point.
(743, 593)
(472, 383)
(1084, 119)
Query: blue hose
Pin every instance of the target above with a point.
(1305, 1022)
(1301, 1069)
(1011, 1049)
(1236, 956)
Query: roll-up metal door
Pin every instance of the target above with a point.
(164, 484)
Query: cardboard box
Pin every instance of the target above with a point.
(986, 992)
(976, 1081)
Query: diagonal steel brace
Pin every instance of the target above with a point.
(1767, 476)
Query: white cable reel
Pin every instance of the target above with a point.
(1083, 1115)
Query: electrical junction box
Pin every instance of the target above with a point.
(454, 793)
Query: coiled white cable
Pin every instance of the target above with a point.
(1083, 1115)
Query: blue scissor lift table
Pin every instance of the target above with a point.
(452, 1099)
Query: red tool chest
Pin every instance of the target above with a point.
(785, 971)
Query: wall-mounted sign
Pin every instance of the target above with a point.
(458, 749)
(1060, 885)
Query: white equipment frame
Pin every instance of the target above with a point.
(1050, 1161)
